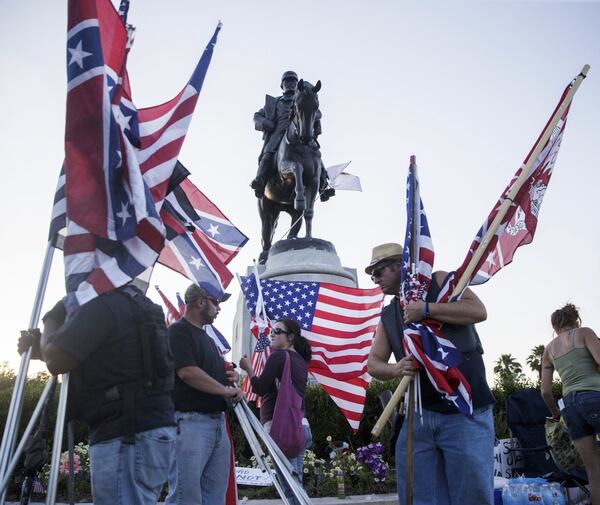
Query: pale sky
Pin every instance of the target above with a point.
(465, 86)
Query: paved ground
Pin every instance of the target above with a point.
(372, 499)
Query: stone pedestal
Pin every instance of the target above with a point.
(298, 259)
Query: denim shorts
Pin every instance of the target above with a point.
(582, 413)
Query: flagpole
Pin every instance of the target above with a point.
(16, 402)
(514, 189)
(463, 281)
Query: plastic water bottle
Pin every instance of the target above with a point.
(552, 494)
(341, 489)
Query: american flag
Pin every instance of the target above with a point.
(173, 314)
(180, 304)
(339, 322)
(423, 340)
(118, 161)
(260, 328)
(518, 226)
(201, 240)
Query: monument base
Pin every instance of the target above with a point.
(299, 259)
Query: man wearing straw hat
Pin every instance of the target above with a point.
(453, 454)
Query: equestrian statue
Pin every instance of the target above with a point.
(290, 172)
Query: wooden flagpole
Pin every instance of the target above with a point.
(463, 281)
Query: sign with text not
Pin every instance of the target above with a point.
(251, 477)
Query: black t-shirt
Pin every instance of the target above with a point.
(265, 384)
(191, 346)
(103, 337)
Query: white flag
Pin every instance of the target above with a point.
(338, 179)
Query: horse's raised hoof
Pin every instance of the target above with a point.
(300, 204)
(262, 258)
(258, 186)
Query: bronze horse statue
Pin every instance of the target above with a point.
(294, 186)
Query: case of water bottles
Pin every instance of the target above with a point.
(527, 491)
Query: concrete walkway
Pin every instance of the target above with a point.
(371, 499)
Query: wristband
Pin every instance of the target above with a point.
(426, 309)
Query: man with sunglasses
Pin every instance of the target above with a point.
(453, 454)
(201, 463)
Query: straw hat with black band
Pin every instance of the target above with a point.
(384, 252)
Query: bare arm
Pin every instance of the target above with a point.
(57, 360)
(468, 310)
(379, 356)
(592, 343)
(547, 372)
(200, 380)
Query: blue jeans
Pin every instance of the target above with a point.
(132, 474)
(453, 459)
(582, 413)
(298, 461)
(200, 470)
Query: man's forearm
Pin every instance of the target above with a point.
(462, 312)
(200, 380)
(381, 370)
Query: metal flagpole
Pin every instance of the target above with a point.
(16, 402)
(257, 450)
(58, 436)
(283, 464)
(12, 464)
(492, 229)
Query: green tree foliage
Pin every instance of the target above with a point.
(534, 360)
(509, 372)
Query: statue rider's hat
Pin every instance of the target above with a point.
(290, 74)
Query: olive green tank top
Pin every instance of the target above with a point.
(578, 371)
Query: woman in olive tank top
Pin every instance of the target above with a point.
(575, 354)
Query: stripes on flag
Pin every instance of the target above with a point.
(339, 322)
(423, 340)
(172, 314)
(518, 226)
(118, 161)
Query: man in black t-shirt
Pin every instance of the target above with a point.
(101, 346)
(453, 454)
(200, 469)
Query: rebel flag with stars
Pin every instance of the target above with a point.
(118, 165)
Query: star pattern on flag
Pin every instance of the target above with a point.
(123, 214)
(284, 299)
(214, 230)
(78, 54)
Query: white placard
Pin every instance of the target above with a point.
(507, 463)
(251, 477)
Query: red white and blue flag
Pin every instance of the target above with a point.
(518, 226)
(172, 314)
(260, 328)
(339, 322)
(201, 240)
(118, 162)
(423, 340)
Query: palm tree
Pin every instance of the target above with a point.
(534, 360)
(506, 365)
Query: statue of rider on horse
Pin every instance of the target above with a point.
(290, 172)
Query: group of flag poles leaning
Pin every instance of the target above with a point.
(511, 224)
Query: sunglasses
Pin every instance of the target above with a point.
(213, 300)
(376, 272)
(279, 331)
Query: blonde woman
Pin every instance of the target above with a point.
(575, 354)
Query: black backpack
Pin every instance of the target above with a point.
(157, 357)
